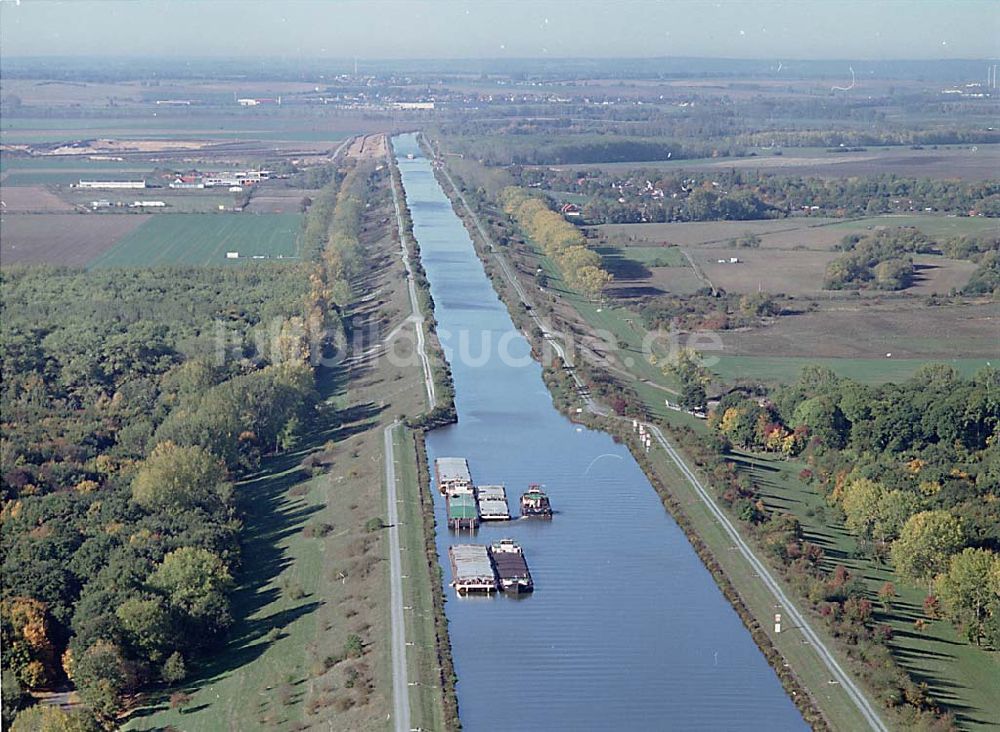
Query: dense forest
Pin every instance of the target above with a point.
(123, 424)
(132, 401)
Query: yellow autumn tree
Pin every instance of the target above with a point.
(579, 266)
(28, 648)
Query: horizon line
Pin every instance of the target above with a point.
(352, 58)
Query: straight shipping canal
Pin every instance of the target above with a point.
(626, 628)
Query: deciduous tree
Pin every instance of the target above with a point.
(970, 590)
(925, 545)
(195, 583)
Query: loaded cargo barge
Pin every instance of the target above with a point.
(463, 513)
(511, 567)
(471, 569)
(455, 481)
(492, 503)
(452, 474)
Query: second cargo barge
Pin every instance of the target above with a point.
(511, 567)
(471, 569)
(463, 512)
(493, 503)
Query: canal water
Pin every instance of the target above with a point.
(626, 629)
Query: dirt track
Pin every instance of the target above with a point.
(369, 147)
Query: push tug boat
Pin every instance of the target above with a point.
(535, 503)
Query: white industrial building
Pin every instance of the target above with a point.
(111, 184)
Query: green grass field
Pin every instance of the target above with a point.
(786, 369)
(66, 176)
(567, 197)
(931, 224)
(199, 201)
(204, 239)
(9, 162)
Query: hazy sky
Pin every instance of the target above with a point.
(855, 29)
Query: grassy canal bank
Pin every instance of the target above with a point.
(310, 646)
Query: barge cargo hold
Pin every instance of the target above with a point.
(471, 569)
(462, 511)
(535, 503)
(511, 567)
(493, 503)
(452, 474)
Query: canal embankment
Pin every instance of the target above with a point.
(611, 558)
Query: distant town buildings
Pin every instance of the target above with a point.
(413, 105)
(235, 179)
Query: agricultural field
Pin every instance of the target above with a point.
(933, 226)
(791, 259)
(62, 238)
(31, 199)
(786, 369)
(20, 163)
(276, 200)
(791, 273)
(967, 162)
(802, 272)
(975, 162)
(97, 93)
(652, 270)
(648, 256)
(203, 240)
(851, 335)
(870, 329)
(206, 126)
(648, 270)
(64, 176)
(806, 232)
(178, 201)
